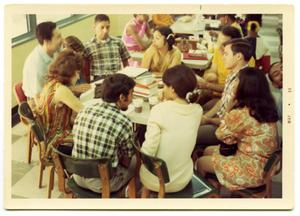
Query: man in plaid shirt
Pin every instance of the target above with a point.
(101, 130)
(237, 53)
(106, 53)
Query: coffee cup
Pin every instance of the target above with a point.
(138, 105)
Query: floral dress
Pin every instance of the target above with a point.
(256, 142)
(55, 118)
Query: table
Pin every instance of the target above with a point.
(87, 98)
(195, 64)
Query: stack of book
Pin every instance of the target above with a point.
(146, 86)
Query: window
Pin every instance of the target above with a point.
(25, 24)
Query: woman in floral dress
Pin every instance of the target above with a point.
(251, 124)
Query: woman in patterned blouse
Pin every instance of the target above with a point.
(251, 124)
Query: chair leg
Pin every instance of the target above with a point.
(51, 181)
(145, 193)
(42, 167)
(29, 146)
(132, 188)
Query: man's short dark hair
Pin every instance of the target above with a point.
(101, 18)
(231, 32)
(240, 46)
(44, 31)
(115, 85)
(230, 16)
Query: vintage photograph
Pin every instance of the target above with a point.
(181, 105)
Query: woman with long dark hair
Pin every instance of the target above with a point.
(251, 124)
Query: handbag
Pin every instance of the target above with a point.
(228, 150)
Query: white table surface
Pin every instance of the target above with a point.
(87, 98)
(196, 64)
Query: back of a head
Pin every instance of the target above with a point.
(44, 31)
(253, 91)
(168, 34)
(64, 66)
(231, 32)
(182, 79)
(101, 18)
(72, 42)
(254, 17)
(115, 85)
(240, 46)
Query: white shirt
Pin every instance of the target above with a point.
(171, 135)
(35, 71)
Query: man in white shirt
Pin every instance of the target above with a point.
(36, 64)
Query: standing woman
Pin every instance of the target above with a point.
(172, 129)
(251, 124)
(57, 102)
(162, 54)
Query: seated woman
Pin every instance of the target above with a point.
(172, 129)
(56, 101)
(73, 43)
(162, 54)
(251, 124)
(137, 33)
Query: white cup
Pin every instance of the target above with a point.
(138, 105)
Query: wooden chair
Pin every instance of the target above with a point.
(196, 188)
(272, 168)
(20, 98)
(89, 168)
(40, 138)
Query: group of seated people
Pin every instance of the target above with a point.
(232, 104)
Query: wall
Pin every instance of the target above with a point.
(82, 29)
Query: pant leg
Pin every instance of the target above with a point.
(206, 136)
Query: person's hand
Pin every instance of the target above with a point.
(204, 120)
(202, 84)
(84, 87)
(160, 95)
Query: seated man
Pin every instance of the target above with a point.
(275, 80)
(36, 64)
(215, 76)
(101, 130)
(237, 53)
(107, 54)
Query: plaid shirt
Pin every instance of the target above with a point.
(228, 94)
(101, 130)
(106, 58)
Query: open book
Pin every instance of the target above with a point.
(133, 72)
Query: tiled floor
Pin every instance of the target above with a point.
(25, 176)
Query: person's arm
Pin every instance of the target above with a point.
(78, 89)
(176, 59)
(64, 95)
(131, 31)
(126, 148)
(124, 54)
(213, 111)
(153, 133)
(231, 127)
(148, 32)
(147, 59)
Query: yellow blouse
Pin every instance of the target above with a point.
(157, 63)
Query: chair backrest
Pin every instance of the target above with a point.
(153, 164)
(19, 93)
(25, 111)
(87, 168)
(273, 165)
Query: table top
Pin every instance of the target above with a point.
(196, 64)
(87, 98)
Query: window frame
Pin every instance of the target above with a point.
(31, 25)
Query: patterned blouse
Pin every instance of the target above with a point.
(256, 142)
(55, 117)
